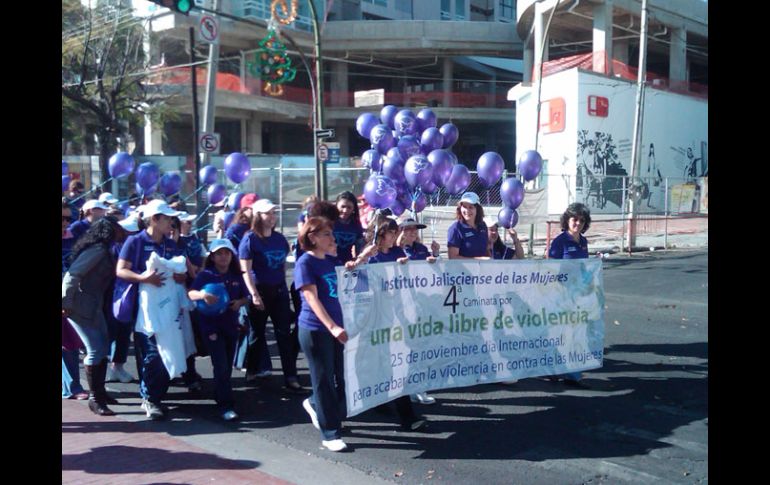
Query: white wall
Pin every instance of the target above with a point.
(676, 125)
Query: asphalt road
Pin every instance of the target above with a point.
(643, 420)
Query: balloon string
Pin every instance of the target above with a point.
(191, 195)
(204, 227)
(203, 213)
(93, 189)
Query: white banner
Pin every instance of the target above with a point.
(422, 326)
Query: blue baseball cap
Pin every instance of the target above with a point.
(470, 197)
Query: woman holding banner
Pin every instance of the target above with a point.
(321, 330)
(571, 244)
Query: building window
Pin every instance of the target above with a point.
(446, 10)
(506, 11)
(459, 9)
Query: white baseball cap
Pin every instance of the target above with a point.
(158, 206)
(470, 197)
(108, 198)
(94, 204)
(130, 223)
(411, 223)
(218, 244)
(185, 217)
(263, 205)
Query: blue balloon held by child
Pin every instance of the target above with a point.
(218, 290)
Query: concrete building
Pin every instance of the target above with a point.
(587, 99)
(455, 56)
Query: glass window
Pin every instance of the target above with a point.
(404, 6)
(460, 9)
(446, 10)
(506, 10)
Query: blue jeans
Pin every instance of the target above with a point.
(155, 378)
(96, 341)
(70, 373)
(327, 375)
(221, 352)
(120, 339)
(243, 345)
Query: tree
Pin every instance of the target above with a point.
(105, 86)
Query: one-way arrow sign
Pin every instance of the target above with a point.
(324, 133)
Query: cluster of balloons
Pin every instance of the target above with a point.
(512, 190)
(237, 169)
(409, 158)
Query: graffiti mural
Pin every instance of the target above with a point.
(599, 173)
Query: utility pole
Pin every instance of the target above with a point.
(638, 119)
(318, 118)
(196, 131)
(211, 88)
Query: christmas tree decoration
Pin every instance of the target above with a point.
(272, 64)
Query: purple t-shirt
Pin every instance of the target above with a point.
(268, 257)
(227, 322)
(236, 232)
(78, 228)
(417, 252)
(309, 270)
(472, 242)
(564, 247)
(346, 236)
(167, 249)
(393, 254)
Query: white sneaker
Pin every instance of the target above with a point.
(123, 375)
(334, 445)
(423, 398)
(230, 415)
(313, 416)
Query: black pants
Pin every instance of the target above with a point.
(277, 307)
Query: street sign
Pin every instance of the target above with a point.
(324, 133)
(209, 143)
(208, 29)
(329, 152)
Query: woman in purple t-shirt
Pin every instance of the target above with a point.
(467, 237)
(321, 330)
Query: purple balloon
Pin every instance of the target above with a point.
(405, 123)
(228, 219)
(120, 165)
(459, 180)
(237, 167)
(442, 166)
(147, 175)
(397, 207)
(428, 187)
(65, 183)
(65, 168)
(450, 133)
(216, 193)
(512, 192)
(530, 164)
(143, 191)
(452, 156)
(490, 168)
(388, 116)
(170, 183)
(379, 191)
(208, 175)
(426, 118)
(432, 138)
(365, 123)
(408, 145)
(419, 203)
(393, 167)
(381, 138)
(417, 171)
(507, 217)
(372, 160)
(234, 201)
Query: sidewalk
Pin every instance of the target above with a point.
(110, 450)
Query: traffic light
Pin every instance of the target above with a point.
(181, 6)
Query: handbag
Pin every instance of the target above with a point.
(125, 296)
